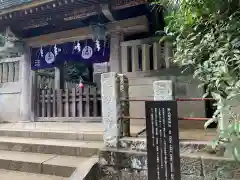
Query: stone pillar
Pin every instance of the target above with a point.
(145, 57)
(58, 78)
(163, 90)
(25, 81)
(110, 108)
(115, 52)
(168, 53)
(124, 94)
(5, 73)
(135, 59)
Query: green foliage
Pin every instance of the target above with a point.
(75, 72)
(206, 37)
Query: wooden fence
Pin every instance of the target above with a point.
(46, 81)
(75, 102)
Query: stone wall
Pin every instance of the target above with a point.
(10, 89)
(10, 102)
(130, 163)
(141, 87)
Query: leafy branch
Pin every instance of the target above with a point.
(206, 36)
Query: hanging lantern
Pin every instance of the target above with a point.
(98, 31)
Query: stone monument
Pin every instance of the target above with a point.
(110, 92)
(163, 90)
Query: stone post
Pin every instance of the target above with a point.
(115, 52)
(124, 94)
(163, 90)
(168, 53)
(110, 87)
(26, 78)
(5, 73)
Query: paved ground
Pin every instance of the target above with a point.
(16, 175)
(97, 128)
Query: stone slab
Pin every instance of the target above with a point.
(55, 126)
(56, 130)
(66, 135)
(16, 175)
(51, 146)
(25, 162)
(87, 169)
(62, 165)
(39, 163)
(140, 144)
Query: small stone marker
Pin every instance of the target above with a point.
(163, 90)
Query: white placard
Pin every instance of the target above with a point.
(100, 67)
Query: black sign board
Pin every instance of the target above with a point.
(162, 140)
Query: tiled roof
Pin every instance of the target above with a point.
(9, 3)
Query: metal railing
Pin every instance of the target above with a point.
(179, 118)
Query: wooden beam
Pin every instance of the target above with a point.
(78, 13)
(115, 5)
(140, 23)
(107, 12)
(121, 4)
(68, 9)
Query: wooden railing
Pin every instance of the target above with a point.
(145, 55)
(46, 81)
(75, 102)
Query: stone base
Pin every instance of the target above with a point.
(111, 173)
(185, 146)
(119, 164)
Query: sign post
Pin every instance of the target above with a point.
(162, 140)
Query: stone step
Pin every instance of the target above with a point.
(16, 175)
(50, 134)
(140, 144)
(51, 146)
(49, 164)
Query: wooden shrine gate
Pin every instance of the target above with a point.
(69, 104)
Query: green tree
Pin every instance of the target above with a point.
(206, 37)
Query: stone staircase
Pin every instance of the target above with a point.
(75, 151)
(44, 154)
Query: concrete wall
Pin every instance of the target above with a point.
(141, 87)
(10, 101)
(10, 95)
